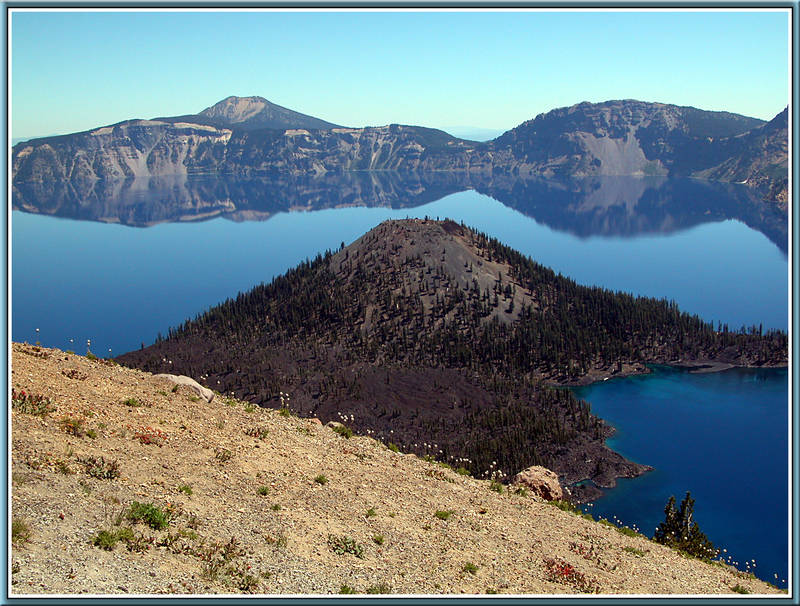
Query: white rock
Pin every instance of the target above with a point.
(201, 391)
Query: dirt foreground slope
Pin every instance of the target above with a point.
(263, 502)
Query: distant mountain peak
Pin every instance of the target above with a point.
(236, 109)
(257, 112)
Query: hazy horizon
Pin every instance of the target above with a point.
(470, 132)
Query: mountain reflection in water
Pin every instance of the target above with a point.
(596, 206)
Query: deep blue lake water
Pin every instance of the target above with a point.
(724, 437)
(713, 249)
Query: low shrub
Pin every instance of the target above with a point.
(223, 455)
(628, 532)
(20, 531)
(217, 556)
(74, 373)
(153, 516)
(562, 572)
(444, 514)
(637, 552)
(74, 426)
(63, 466)
(108, 539)
(343, 544)
(257, 432)
(343, 430)
(150, 435)
(105, 539)
(98, 467)
(242, 580)
(565, 506)
(31, 404)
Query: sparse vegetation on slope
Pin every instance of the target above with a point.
(139, 533)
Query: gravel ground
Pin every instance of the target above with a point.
(226, 537)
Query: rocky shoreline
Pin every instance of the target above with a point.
(591, 487)
(634, 369)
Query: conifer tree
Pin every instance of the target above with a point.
(680, 532)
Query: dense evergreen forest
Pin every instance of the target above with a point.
(445, 342)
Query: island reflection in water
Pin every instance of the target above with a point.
(596, 206)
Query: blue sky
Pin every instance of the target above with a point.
(75, 70)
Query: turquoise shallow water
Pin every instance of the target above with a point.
(724, 437)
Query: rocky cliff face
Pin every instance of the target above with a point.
(393, 147)
(759, 158)
(250, 135)
(137, 148)
(621, 138)
(147, 148)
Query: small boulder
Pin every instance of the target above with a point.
(203, 392)
(333, 424)
(541, 482)
(315, 421)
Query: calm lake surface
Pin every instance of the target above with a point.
(119, 286)
(724, 437)
(713, 249)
